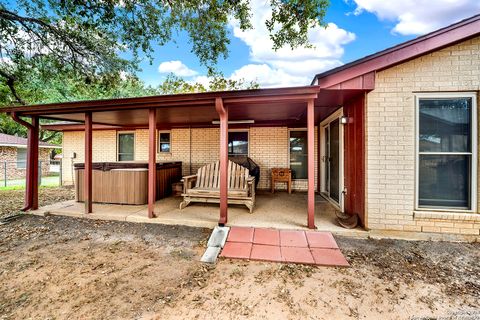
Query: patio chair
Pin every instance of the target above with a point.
(205, 186)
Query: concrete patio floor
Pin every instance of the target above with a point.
(280, 210)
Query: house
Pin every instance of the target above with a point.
(13, 156)
(392, 137)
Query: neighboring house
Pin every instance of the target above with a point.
(13, 155)
(395, 133)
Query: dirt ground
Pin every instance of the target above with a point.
(12, 201)
(67, 268)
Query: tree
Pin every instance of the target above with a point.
(47, 86)
(61, 87)
(64, 50)
(174, 84)
(91, 38)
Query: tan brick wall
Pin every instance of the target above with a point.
(268, 147)
(104, 148)
(390, 130)
(204, 147)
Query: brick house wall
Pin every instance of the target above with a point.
(104, 148)
(390, 138)
(268, 147)
(8, 156)
(204, 145)
(390, 143)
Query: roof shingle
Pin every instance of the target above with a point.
(9, 140)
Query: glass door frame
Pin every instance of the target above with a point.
(324, 174)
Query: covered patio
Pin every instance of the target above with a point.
(280, 210)
(296, 107)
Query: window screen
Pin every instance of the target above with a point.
(126, 146)
(298, 154)
(445, 153)
(238, 143)
(164, 142)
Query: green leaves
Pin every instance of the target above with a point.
(174, 85)
(92, 39)
(48, 85)
(291, 20)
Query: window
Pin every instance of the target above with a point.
(238, 143)
(126, 146)
(298, 154)
(164, 141)
(21, 158)
(446, 151)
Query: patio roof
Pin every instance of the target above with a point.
(285, 106)
(294, 106)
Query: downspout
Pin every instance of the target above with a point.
(29, 183)
(17, 119)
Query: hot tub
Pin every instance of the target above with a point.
(126, 182)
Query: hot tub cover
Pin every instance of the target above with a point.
(248, 163)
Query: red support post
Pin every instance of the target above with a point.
(87, 173)
(311, 163)
(33, 150)
(223, 114)
(31, 190)
(152, 162)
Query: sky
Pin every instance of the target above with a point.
(356, 28)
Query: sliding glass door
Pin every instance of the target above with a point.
(332, 161)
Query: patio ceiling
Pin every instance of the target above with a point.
(280, 106)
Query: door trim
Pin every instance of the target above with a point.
(336, 115)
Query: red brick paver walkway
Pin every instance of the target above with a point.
(307, 247)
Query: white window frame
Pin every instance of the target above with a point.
(170, 141)
(248, 138)
(134, 144)
(473, 153)
(23, 164)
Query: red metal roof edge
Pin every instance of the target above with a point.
(183, 97)
(391, 51)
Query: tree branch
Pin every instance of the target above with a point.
(10, 80)
(71, 44)
(47, 138)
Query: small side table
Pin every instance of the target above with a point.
(282, 175)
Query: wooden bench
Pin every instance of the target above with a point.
(205, 186)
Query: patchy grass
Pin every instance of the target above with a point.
(9, 188)
(16, 187)
(12, 200)
(47, 181)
